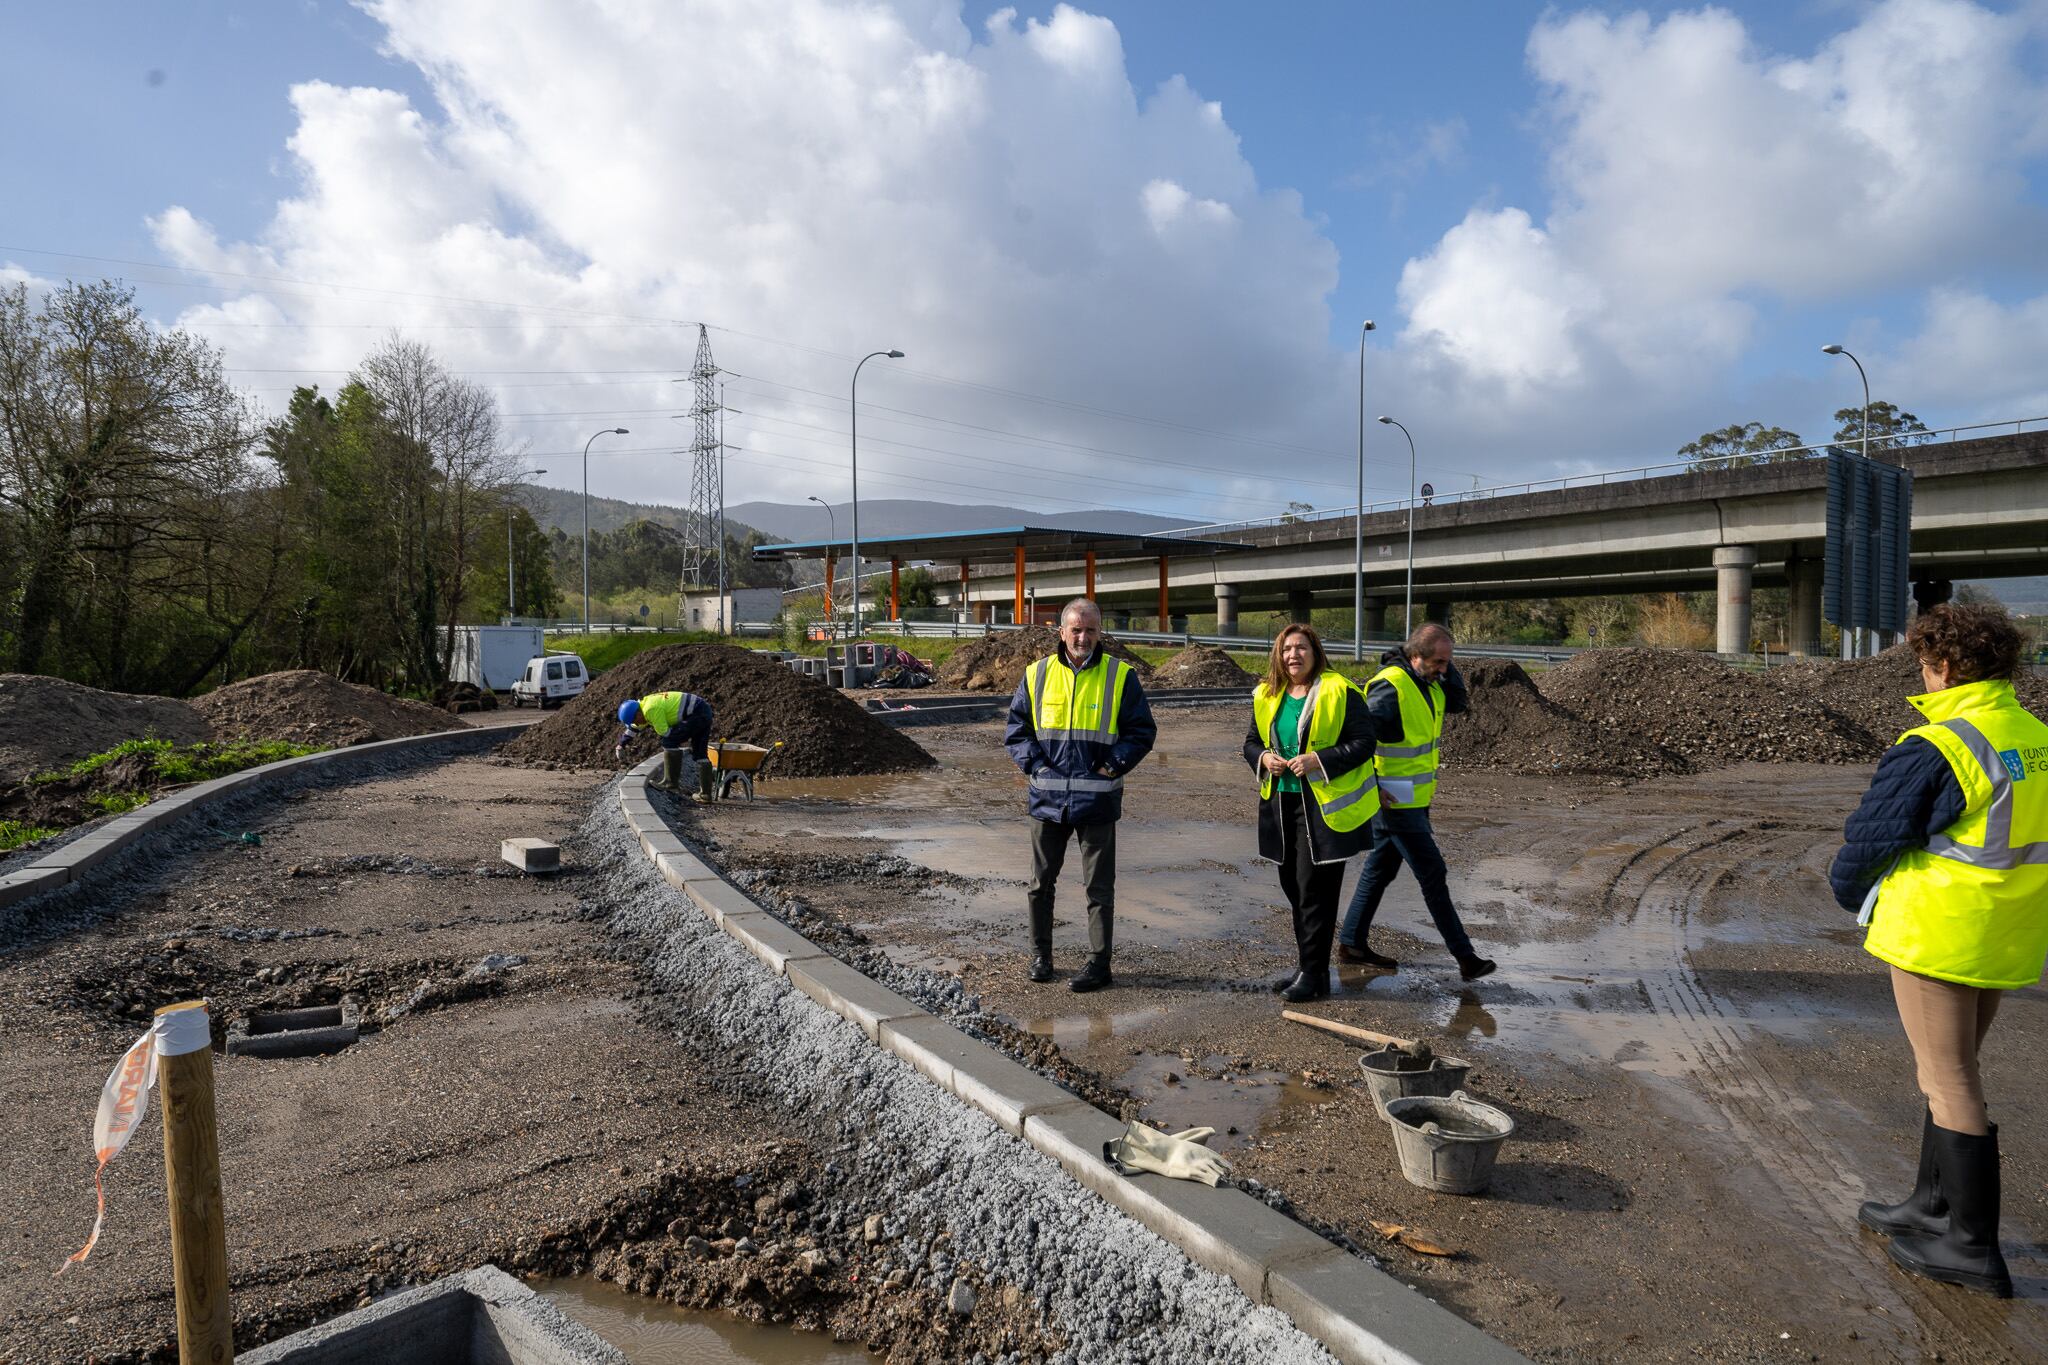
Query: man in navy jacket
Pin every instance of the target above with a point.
(1078, 723)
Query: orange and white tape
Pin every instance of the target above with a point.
(124, 1099)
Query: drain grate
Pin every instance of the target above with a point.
(311, 1032)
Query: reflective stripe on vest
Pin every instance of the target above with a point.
(1045, 779)
(1055, 708)
(1972, 906)
(1407, 770)
(1346, 802)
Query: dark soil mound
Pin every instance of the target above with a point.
(1873, 692)
(1712, 715)
(305, 706)
(996, 663)
(47, 723)
(1202, 666)
(1511, 725)
(823, 734)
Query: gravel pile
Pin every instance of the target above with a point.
(1512, 725)
(306, 706)
(1872, 692)
(753, 700)
(47, 722)
(996, 663)
(1115, 1293)
(1699, 708)
(1202, 666)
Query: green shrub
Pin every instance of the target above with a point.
(14, 833)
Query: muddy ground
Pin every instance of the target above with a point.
(1705, 1069)
(540, 1115)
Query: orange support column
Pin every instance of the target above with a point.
(895, 589)
(966, 603)
(831, 567)
(1162, 592)
(1089, 591)
(1017, 612)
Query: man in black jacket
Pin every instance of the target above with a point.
(1422, 669)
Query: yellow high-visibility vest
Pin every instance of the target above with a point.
(1346, 802)
(1407, 771)
(1972, 907)
(1079, 706)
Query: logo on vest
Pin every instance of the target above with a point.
(2014, 764)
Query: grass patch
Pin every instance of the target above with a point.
(15, 833)
(171, 765)
(600, 650)
(117, 803)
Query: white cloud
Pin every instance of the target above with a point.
(1980, 356)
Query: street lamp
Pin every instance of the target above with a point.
(1849, 647)
(1358, 516)
(608, 431)
(831, 539)
(511, 586)
(853, 412)
(1408, 608)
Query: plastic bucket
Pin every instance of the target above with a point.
(1392, 1075)
(1448, 1143)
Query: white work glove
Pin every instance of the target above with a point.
(1178, 1156)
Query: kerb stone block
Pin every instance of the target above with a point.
(680, 869)
(769, 939)
(531, 855)
(1365, 1316)
(721, 900)
(655, 842)
(976, 1072)
(850, 995)
(19, 886)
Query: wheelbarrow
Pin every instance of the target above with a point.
(736, 765)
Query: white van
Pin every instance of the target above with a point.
(549, 680)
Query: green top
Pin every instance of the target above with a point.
(1287, 739)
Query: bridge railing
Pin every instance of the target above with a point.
(1607, 476)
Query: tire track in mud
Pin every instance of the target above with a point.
(1656, 892)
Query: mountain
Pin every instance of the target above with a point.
(2026, 596)
(885, 517)
(563, 507)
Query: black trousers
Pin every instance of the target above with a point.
(1418, 849)
(1098, 873)
(1312, 889)
(692, 731)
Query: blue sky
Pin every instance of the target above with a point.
(1109, 294)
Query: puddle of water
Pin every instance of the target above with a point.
(1246, 1101)
(651, 1332)
(1079, 1030)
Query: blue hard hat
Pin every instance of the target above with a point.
(629, 711)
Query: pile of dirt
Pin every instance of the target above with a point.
(1202, 666)
(1872, 692)
(46, 723)
(754, 700)
(1512, 725)
(996, 663)
(305, 706)
(1697, 707)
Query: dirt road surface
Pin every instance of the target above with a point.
(1705, 1069)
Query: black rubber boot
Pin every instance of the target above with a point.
(1922, 1213)
(1967, 1254)
(1094, 977)
(671, 779)
(1041, 965)
(1307, 986)
(706, 776)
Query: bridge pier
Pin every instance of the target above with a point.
(1226, 608)
(1300, 605)
(1375, 616)
(1734, 567)
(1439, 612)
(1929, 593)
(1802, 615)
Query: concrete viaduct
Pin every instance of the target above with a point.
(1980, 510)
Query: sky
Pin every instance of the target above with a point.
(1127, 249)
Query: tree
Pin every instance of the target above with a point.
(1745, 443)
(1890, 429)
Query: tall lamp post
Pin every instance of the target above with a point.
(511, 584)
(1358, 516)
(831, 538)
(1408, 607)
(608, 431)
(853, 412)
(1849, 647)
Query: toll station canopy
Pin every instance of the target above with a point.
(1012, 545)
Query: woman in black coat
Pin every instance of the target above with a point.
(1310, 839)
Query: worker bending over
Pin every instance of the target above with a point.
(677, 719)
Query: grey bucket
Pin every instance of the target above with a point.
(1392, 1075)
(1448, 1143)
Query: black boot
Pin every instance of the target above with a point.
(1967, 1253)
(1923, 1212)
(1474, 967)
(1367, 957)
(1041, 964)
(1308, 986)
(1094, 977)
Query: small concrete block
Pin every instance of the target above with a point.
(720, 899)
(769, 939)
(532, 855)
(19, 886)
(850, 995)
(1365, 1316)
(976, 1072)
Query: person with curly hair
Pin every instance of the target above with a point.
(1947, 859)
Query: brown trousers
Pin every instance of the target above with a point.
(1946, 1023)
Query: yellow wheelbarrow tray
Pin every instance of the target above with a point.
(737, 764)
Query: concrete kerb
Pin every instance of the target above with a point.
(480, 1317)
(1361, 1314)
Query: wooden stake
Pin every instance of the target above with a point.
(1363, 1035)
(199, 1248)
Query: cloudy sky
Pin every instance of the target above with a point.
(1127, 249)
